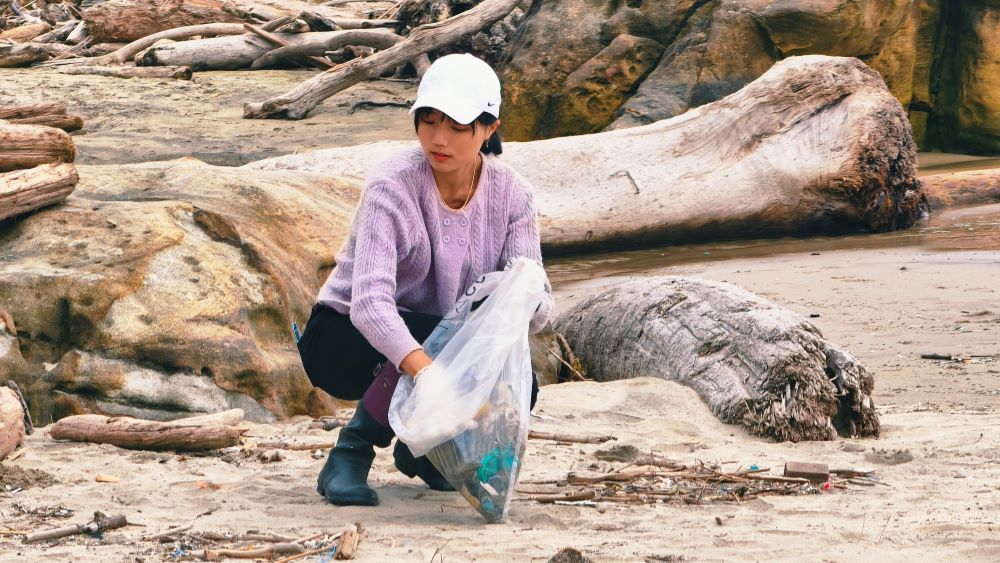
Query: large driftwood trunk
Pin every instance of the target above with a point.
(815, 145)
(22, 191)
(25, 146)
(118, 21)
(296, 103)
(223, 53)
(11, 422)
(754, 364)
(199, 433)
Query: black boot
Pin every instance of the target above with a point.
(419, 467)
(344, 478)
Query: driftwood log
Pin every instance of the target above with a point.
(175, 72)
(25, 33)
(133, 48)
(57, 34)
(26, 190)
(48, 114)
(11, 422)
(15, 55)
(755, 364)
(25, 146)
(100, 524)
(303, 98)
(128, 20)
(815, 145)
(379, 39)
(207, 432)
(222, 53)
(953, 189)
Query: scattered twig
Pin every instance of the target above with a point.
(168, 533)
(537, 435)
(286, 445)
(99, 524)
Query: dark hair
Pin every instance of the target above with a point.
(493, 145)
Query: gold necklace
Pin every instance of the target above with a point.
(472, 185)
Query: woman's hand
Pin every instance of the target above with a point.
(414, 362)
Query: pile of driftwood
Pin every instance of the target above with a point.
(36, 157)
(102, 38)
(145, 38)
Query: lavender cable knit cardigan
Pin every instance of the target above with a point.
(409, 251)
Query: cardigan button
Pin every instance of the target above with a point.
(447, 221)
(446, 239)
(461, 241)
(464, 221)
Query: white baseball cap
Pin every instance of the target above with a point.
(460, 86)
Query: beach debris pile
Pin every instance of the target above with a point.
(652, 479)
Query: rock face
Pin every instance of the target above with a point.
(938, 58)
(170, 288)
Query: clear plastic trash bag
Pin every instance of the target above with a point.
(468, 413)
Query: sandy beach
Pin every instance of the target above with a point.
(887, 298)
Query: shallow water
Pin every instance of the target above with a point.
(970, 228)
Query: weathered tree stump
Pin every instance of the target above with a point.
(206, 432)
(755, 364)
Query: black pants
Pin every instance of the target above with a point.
(340, 361)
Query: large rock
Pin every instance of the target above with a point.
(966, 111)
(938, 60)
(172, 270)
(853, 28)
(719, 50)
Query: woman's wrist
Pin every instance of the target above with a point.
(415, 362)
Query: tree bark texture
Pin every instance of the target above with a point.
(222, 53)
(26, 190)
(756, 365)
(297, 103)
(25, 146)
(11, 422)
(128, 20)
(815, 145)
(132, 433)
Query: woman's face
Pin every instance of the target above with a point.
(450, 146)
